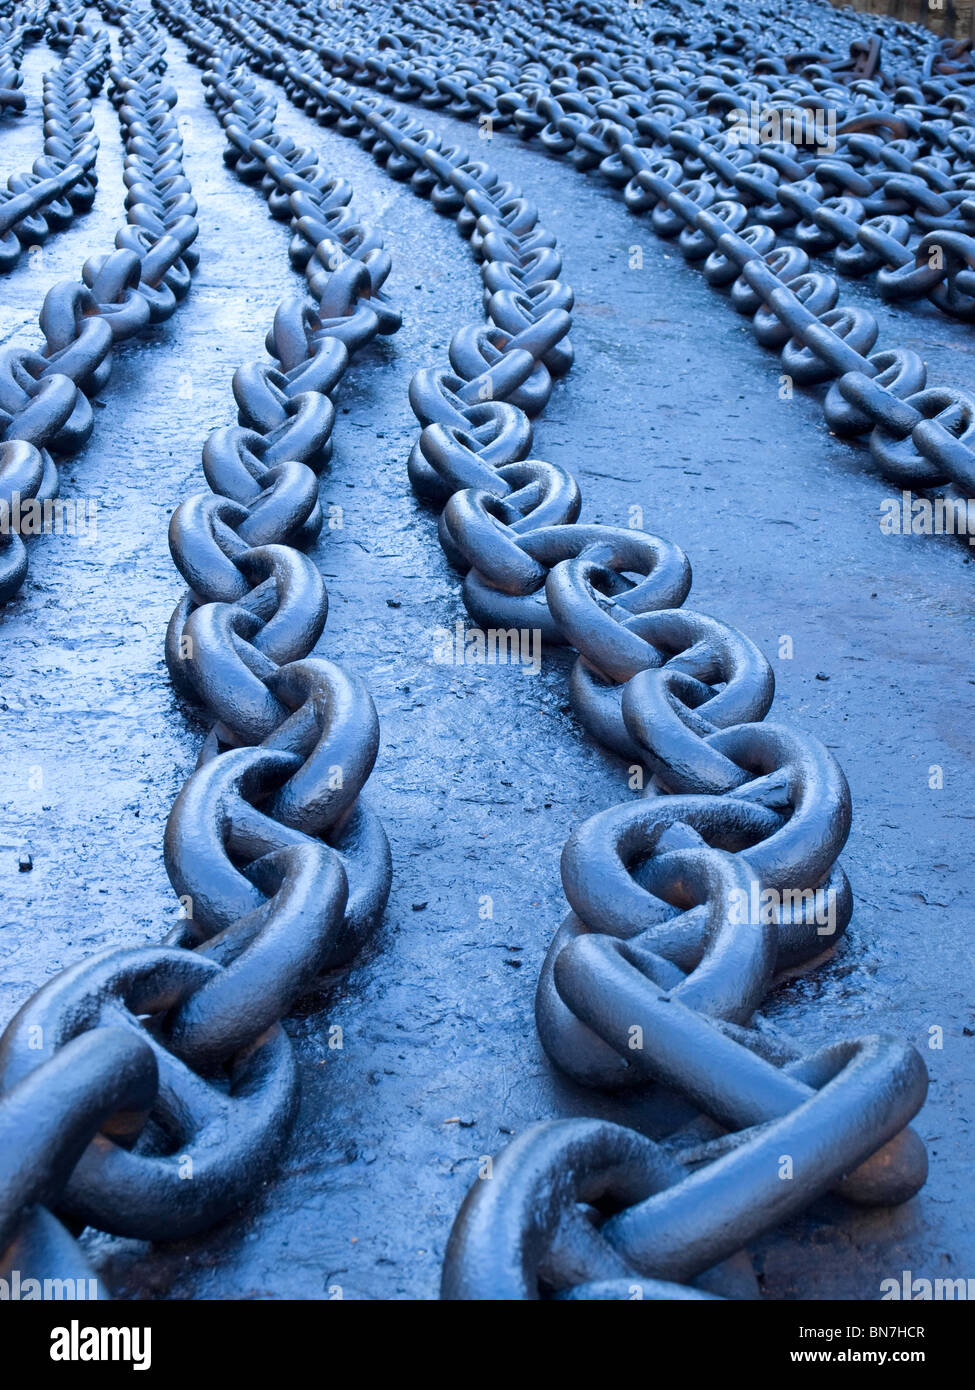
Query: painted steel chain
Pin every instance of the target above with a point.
(61, 183)
(738, 810)
(45, 395)
(162, 1064)
(652, 123)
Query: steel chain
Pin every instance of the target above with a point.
(45, 395)
(174, 1054)
(23, 25)
(663, 940)
(61, 183)
(894, 200)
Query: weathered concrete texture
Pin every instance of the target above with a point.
(483, 771)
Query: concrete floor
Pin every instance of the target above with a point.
(483, 772)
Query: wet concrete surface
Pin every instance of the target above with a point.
(483, 771)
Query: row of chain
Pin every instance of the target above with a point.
(61, 182)
(45, 394)
(895, 198)
(20, 27)
(736, 808)
(282, 872)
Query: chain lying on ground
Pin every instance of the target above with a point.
(62, 182)
(896, 198)
(23, 23)
(915, 178)
(281, 870)
(687, 902)
(45, 395)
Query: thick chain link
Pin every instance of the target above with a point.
(281, 870)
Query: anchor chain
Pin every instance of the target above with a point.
(895, 199)
(62, 182)
(166, 1063)
(664, 945)
(45, 395)
(23, 25)
(282, 872)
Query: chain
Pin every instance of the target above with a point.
(23, 24)
(163, 1088)
(895, 198)
(45, 395)
(137, 1069)
(687, 902)
(62, 182)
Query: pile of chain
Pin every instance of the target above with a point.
(895, 198)
(687, 902)
(149, 1091)
(61, 182)
(45, 395)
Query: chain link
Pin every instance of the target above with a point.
(62, 182)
